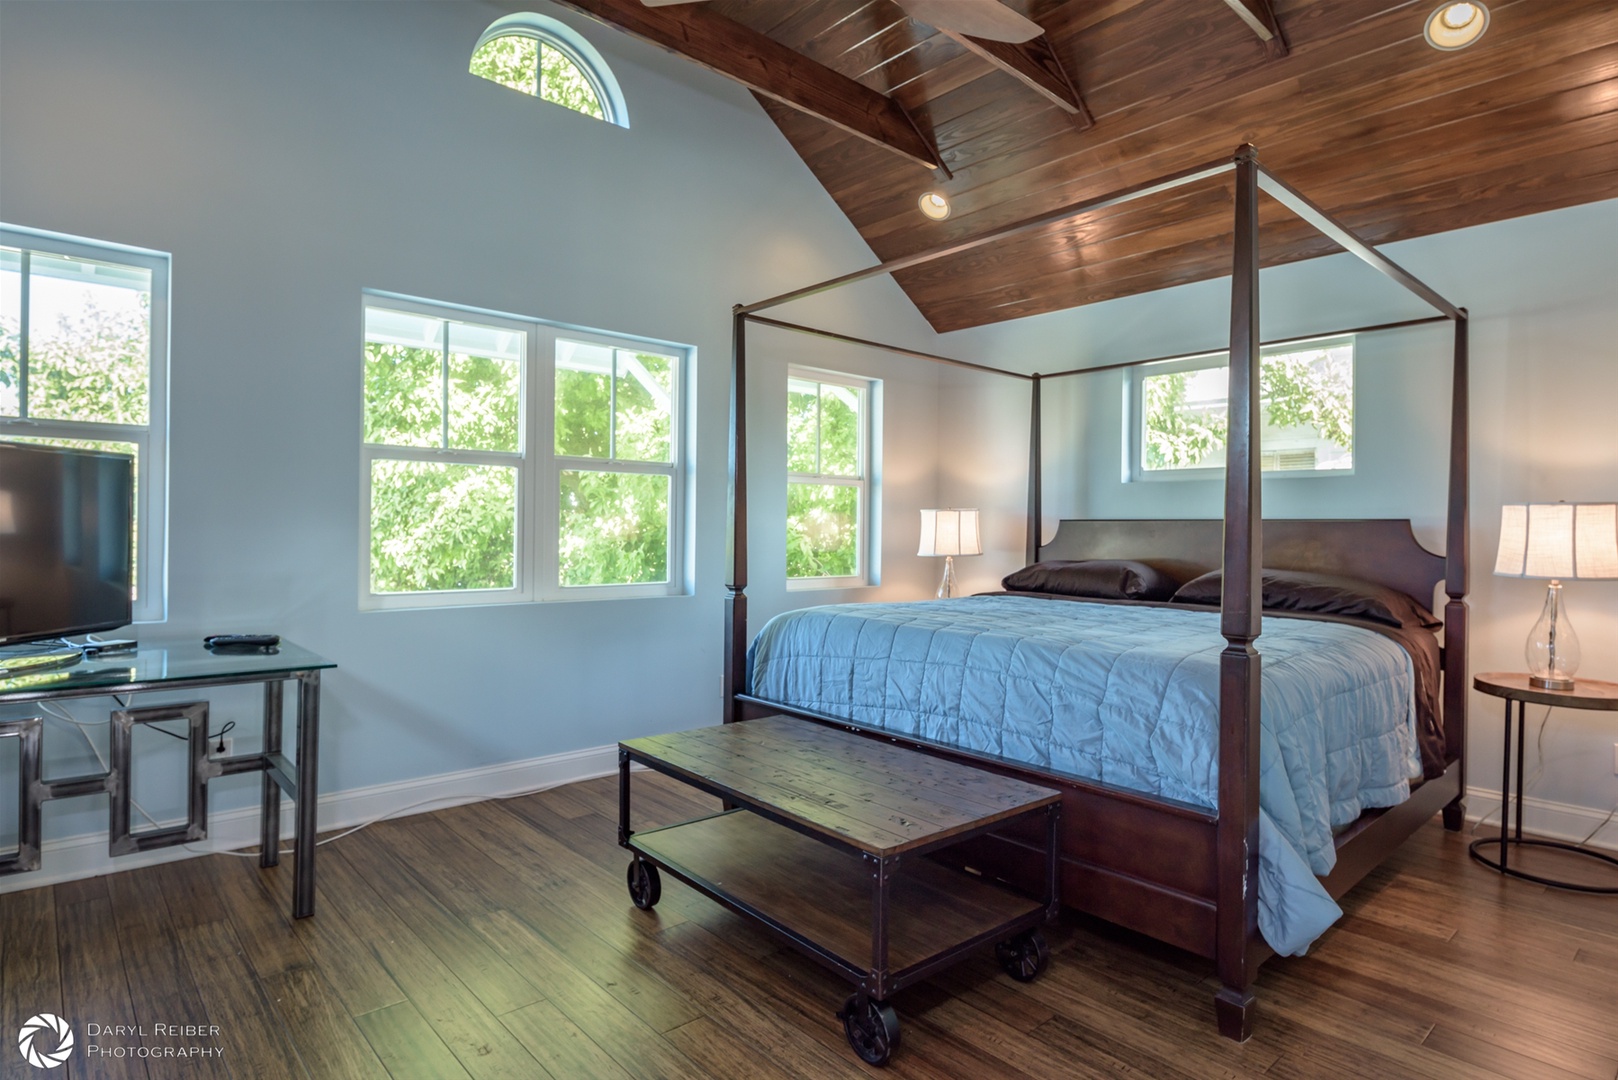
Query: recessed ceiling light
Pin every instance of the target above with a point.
(1455, 26)
(935, 204)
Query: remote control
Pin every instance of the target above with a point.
(241, 641)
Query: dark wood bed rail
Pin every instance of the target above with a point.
(1237, 949)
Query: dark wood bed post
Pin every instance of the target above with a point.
(736, 544)
(1240, 622)
(1036, 509)
(1457, 559)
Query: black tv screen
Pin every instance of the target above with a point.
(66, 521)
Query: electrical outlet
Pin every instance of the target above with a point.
(229, 747)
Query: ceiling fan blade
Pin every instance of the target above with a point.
(669, 3)
(987, 19)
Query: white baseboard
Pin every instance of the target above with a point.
(1554, 820)
(73, 857)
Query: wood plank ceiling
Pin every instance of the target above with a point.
(1351, 106)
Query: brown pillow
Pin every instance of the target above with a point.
(1323, 594)
(1096, 579)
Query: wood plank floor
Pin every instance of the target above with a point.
(497, 941)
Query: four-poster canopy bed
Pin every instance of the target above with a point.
(1183, 873)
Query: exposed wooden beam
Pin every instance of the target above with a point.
(1260, 17)
(1036, 65)
(769, 68)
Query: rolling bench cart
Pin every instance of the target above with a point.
(825, 847)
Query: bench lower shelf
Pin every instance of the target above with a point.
(820, 899)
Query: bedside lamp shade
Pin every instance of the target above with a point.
(1556, 540)
(950, 532)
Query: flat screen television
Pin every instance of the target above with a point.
(66, 524)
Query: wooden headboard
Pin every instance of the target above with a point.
(1381, 550)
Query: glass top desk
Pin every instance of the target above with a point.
(171, 666)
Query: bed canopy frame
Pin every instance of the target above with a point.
(1174, 871)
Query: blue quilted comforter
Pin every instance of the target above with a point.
(1128, 696)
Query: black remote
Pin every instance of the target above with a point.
(241, 641)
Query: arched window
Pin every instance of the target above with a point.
(540, 56)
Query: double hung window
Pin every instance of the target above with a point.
(506, 460)
(828, 478)
(84, 363)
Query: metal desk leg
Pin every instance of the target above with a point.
(303, 872)
(269, 816)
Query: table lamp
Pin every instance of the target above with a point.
(1556, 541)
(949, 533)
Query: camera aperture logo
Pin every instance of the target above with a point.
(45, 1041)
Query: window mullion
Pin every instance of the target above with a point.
(23, 330)
(612, 408)
(443, 389)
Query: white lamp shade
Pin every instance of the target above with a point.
(950, 532)
(1558, 540)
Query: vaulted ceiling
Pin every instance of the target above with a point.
(1348, 103)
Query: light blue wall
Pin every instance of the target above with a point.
(1543, 295)
(291, 155)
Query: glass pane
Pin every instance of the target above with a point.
(823, 529)
(561, 81)
(133, 450)
(485, 387)
(803, 426)
(645, 406)
(10, 329)
(1183, 419)
(442, 526)
(615, 528)
(511, 61)
(1308, 401)
(583, 399)
(404, 390)
(89, 340)
(1309, 409)
(840, 408)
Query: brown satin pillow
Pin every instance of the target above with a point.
(1323, 594)
(1096, 579)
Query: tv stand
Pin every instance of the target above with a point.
(168, 668)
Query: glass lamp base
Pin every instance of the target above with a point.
(946, 587)
(1552, 650)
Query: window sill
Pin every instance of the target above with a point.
(823, 584)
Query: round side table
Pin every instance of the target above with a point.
(1514, 687)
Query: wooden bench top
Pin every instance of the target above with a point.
(881, 798)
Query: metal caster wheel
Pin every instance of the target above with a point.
(645, 886)
(872, 1028)
(1024, 956)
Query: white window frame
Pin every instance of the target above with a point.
(1135, 404)
(864, 544)
(572, 44)
(150, 439)
(539, 467)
